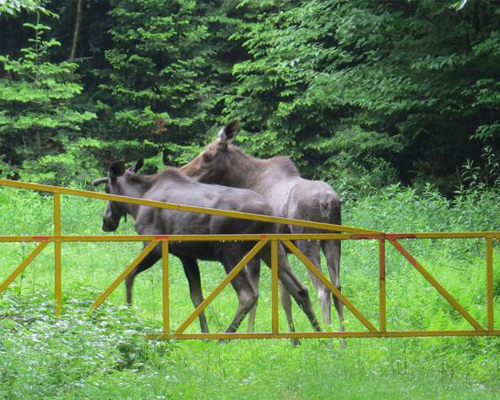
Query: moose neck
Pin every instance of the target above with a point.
(244, 169)
(254, 173)
(136, 186)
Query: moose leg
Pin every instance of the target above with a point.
(311, 249)
(192, 271)
(286, 303)
(292, 284)
(253, 269)
(331, 249)
(148, 261)
(247, 296)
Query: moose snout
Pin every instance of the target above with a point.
(109, 225)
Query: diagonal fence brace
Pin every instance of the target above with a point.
(124, 274)
(229, 277)
(308, 263)
(436, 284)
(27, 261)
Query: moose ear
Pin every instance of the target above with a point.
(100, 181)
(229, 132)
(117, 169)
(137, 165)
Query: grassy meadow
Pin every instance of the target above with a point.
(103, 355)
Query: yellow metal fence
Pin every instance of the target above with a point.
(261, 240)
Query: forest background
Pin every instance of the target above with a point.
(360, 93)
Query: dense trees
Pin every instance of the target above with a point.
(356, 92)
(353, 84)
(39, 126)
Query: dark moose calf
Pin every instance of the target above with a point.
(172, 186)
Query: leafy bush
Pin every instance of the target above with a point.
(55, 356)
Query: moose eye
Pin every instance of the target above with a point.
(207, 157)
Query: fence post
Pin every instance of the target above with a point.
(489, 281)
(274, 271)
(57, 252)
(166, 286)
(382, 293)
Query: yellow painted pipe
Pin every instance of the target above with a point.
(165, 287)
(179, 207)
(319, 335)
(123, 275)
(489, 282)
(57, 253)
(274, 286)
(27, 261)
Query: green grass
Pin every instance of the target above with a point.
(274, 370)
(104, 356)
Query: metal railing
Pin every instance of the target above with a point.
(261, 240)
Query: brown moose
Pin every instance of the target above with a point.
(290, 196)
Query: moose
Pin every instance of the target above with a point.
(290, 196)
(173, 186)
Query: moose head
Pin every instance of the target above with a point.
(214, 161)
(118, 182)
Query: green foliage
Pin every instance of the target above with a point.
(477, 177)
(37, 118)
(162, 84)
(407, 83)
(57, 356)
(14, 7)
(426, 210)
(76, 166)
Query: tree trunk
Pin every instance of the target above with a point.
(76, 31)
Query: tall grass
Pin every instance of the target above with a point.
(103, 355)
